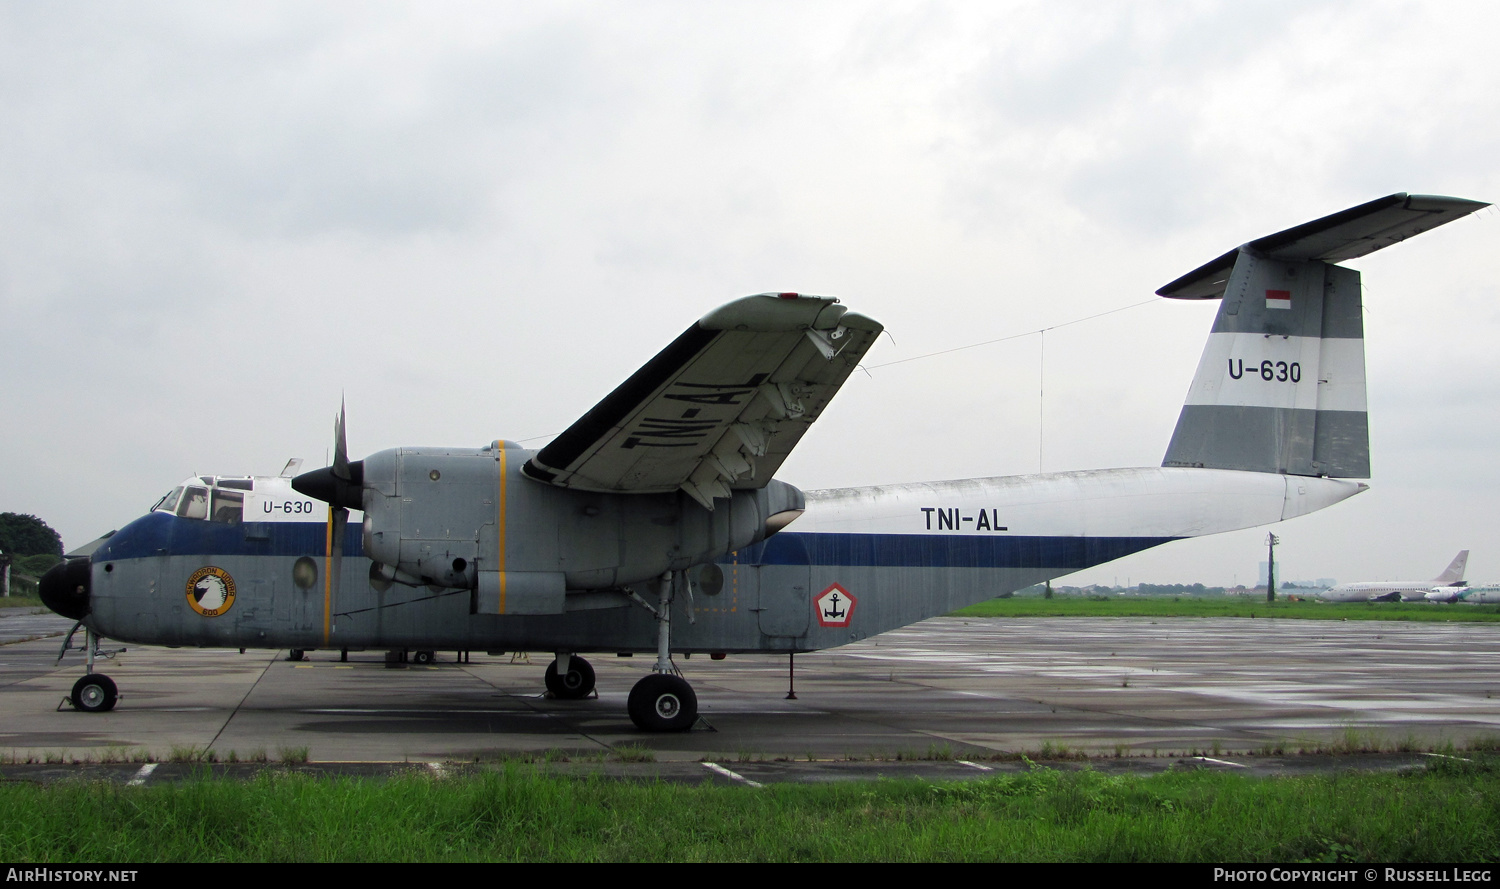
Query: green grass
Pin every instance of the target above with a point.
(15, 600)
(519, 813)
(1228, 606)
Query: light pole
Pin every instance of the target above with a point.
(1271, 541)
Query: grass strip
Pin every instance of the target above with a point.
(1131, 606)
(520, 813)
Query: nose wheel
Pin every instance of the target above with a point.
(94, 693)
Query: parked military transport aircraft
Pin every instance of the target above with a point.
(653, 523)
(1398, 590)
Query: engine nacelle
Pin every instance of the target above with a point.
(468, 519)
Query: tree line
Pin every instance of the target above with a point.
(31, 546)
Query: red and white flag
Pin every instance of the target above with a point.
(1278, 299)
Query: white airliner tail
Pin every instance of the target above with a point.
(1454, 573)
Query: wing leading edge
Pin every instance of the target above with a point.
(718, 409)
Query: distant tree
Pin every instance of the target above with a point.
(27, 535)
(35, 566)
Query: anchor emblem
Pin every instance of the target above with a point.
(835, 606)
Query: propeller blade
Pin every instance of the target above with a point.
(339, 485)
(340, 447)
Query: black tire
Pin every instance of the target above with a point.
(663, 703)
(578, 683)
(95, 693)
(423, 657)
(296, 654)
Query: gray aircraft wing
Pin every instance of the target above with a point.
(719, 408)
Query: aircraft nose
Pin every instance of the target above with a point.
(65, 588)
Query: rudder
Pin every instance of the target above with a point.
(1281, 385)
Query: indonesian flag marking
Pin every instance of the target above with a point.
(1278, 299)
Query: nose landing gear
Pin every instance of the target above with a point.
(93, 692)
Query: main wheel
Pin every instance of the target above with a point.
(423, 657)
(95, 693)
(661, 702)
(575, 684)
(296, 654)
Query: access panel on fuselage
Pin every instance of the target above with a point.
(782, 593)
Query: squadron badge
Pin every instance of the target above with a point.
(210, 591)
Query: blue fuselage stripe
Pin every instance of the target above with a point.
(944, 551)
(164, 534)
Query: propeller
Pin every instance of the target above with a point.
(341, 486)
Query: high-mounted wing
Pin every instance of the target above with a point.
(718, 409)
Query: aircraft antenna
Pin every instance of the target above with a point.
(1041, 399)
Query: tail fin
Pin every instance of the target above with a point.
(1454, 573)
(1281, 385)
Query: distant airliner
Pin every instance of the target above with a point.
(1398, 590)
(1484, 594)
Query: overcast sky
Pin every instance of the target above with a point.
(474, 220)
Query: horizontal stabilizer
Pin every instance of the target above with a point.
(1347, 234)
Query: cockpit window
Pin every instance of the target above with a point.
(239, 484)
(169, 502)
(194, 504)
(229, 506)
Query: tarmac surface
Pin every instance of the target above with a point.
(946, 698)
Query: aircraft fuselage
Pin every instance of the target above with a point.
(859, 561)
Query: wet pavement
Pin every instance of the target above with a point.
(1137, 693)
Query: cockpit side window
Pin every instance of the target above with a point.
(239, 484)
(229, 506)
(194, 504)
(169, 502)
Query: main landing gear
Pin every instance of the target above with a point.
(663, 701)
(93, 692)
(570, 677)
